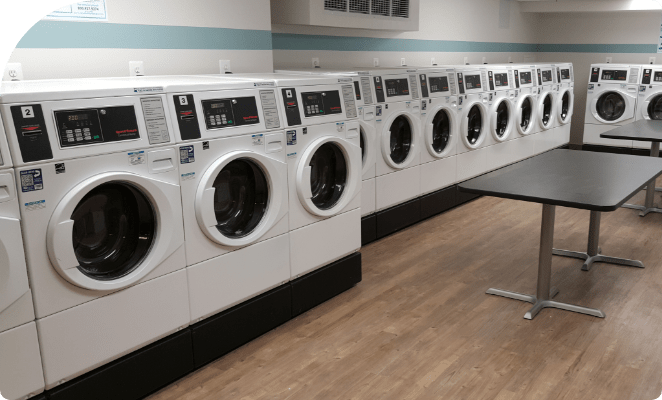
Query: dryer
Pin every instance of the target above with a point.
(649, 100)
(546, 108)
(98, 187)
(611, 101)
(439, 127)
(21, 375)
(233, 168)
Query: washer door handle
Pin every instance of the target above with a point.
(307, 189)
(207, 211)
(63, 246)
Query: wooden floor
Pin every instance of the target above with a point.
(420, 325)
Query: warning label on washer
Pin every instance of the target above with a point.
(32, 180)
(35, 205)
(258, 140)
(186, 154)
(137, 158)
(291, 138)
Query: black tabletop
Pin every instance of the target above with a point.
(571, 178)
(644, 130)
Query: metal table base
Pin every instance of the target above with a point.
(648, 206)
(544, 292)
(592, 254)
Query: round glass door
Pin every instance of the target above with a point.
(241, 197)
(502, 119)
(441, 131)
(526, 111)
(655, 107)
(401, 139)
(610, 106)
(565, 105)
(113, 231)
(546, 109)
(328, 175)
(475, 124)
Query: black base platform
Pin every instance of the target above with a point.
(399, 217)
(438, 202)
(368, 229)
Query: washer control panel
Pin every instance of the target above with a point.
(225, 113)
(96, 125)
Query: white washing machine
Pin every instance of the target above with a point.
(565, 103)
(233, 169)
(324, 168)
(21, 375)
(611, 101)
(649, 101)
(546, 108)
(365, 104)
(101, 215)
(439, 127)
(526, 112)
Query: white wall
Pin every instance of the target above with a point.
(624, 28)
(44, 63)
(439, 20)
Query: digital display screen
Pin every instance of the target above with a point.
(321, 103)
(614, 75)
(224, 113)
(78, 117)
(397, 87)
(525, 78)
(472, 82)
(565, 74)
(438, 84)
(658, 76)
(500, 80)
(547, 75)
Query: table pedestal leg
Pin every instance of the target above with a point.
(649, 205)
(544, 292)
(593, 251)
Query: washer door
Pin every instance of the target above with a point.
(439, 134)
(474, 125)
(112, 230)
(653, 107)
(399, 140)
(611, 107)
(525, 114)
(367, 137)
(328, 175)
(546, 110)
(565, 105)
(240, 197)
(502, 119)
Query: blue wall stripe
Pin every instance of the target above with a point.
(597, 48)
(288, 41)
(60, 34)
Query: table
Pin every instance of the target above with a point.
(643, 131)
(598, 182)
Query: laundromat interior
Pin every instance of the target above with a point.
(331, 199)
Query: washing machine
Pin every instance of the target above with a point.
(649, 101)
(611, 101)
(21, 375)
(98, 188)
(565, 104)
(439, 127)
(324, 168)
(546, 108)
(526, 112)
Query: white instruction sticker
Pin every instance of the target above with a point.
(188, 176)
(155, 120)
(35, 205)
(137, 157)
(258, 140)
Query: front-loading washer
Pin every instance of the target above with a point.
(611, 101)
(21, 374)
(546, 108)
(649, 101)
(98, 187)
(565, 104)
(526, 91)
(439, 127)
(233, 169)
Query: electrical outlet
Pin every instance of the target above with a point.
(651, 60)
(375, 62)
(13, 72)
(225, 66)
(510, 60)
(466, 60)
(433, 62)
(403, 63)
(484, 60)
(608, 60)
(316, 62)
(136, 68)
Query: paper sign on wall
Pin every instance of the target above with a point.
(84, 10)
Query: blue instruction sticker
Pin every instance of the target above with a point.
(32, 180)
(291, 138)
(186, 154)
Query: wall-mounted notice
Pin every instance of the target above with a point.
(85, 10)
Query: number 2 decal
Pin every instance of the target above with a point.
(28, 112)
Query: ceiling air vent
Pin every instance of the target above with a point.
(381, 7)
(335, 5)
(400, 9)
(359, 6)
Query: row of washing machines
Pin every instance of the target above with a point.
(138, 207)
(426, 128)
(619, 94)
